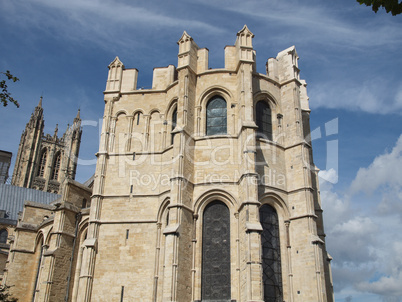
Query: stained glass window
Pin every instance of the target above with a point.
(216, 116)
(264, 121)
(215, 283)
(271, 255)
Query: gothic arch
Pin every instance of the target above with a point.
(138, 110)
(48, 235)
(162, 222)
(215, 194)
(172, 103)
(212, 91)
(154, 110)
(38, 255)
(155, 129)
(274, 240)
(201, 204)
(40, 236)
(120, 112)
(216, 252)
(204, 99)
(77, 260)
(120, 131)
(171, 121)
(277, 203)
(273, 106)
(162, 209)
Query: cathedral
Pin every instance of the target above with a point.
(205, 190)
(43, 161)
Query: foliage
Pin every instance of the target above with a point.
(5, 96)
(5, 296)
(392, 6)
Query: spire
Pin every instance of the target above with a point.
(78, 115)
(40, 102)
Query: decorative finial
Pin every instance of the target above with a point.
(56, 130)
(40, 102)
(78, 114)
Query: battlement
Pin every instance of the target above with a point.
(280, 69)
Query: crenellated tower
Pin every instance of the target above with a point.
(43, 160)
(205, 187)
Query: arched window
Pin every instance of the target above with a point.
(3, 236)
(56, 166)
(216, 116)
(215, 283)
(271, 255)
(174, 121)
(264, 120)
(42, 163)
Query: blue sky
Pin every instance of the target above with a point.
(349, 56)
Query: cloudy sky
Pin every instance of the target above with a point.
(349, 56)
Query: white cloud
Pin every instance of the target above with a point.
(384, 171)
(373, 96)
(366, 245)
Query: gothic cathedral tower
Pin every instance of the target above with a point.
(44, 161)
(205, 187)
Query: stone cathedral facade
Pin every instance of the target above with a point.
(205, 190)
(43, 160)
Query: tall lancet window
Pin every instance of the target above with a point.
(264, 120)
(215, 282)
(56, 167)
(42, 163)
(216, 116)
(174, 121)
(271, 255)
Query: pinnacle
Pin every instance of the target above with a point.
(78, 115)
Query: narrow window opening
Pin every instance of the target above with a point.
(174, 122)
(3, 236)
(56, 167)
(138, 118)
(264, 120)
(127, 233)
(42, 163)
(134, 156)
(131, 189)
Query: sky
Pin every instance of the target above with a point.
(349, 56)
